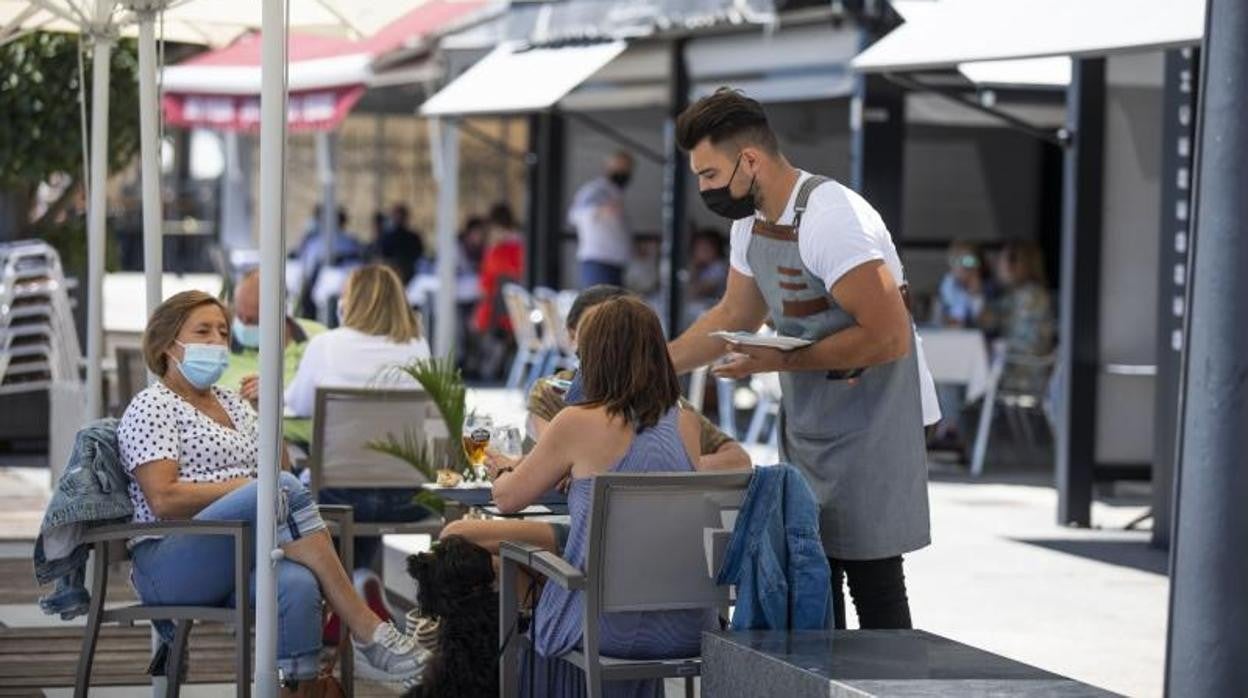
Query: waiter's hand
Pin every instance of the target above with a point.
(746, 361)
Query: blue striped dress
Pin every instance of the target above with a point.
(558, 618)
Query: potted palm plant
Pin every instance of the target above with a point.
(442, 381)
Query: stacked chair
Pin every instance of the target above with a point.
(39, 346)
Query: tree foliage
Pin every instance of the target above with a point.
(40, 123)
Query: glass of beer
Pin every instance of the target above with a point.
(477, 432)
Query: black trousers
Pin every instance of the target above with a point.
(878, 588)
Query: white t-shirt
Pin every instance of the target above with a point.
(597, 213)
(347, 358)
(840, 231)
(160, 425)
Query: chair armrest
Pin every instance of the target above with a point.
(111, 532)
(342, 517)
(339, 514)
(543, 563)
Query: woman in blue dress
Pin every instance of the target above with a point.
(630, 420)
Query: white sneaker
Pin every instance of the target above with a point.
(422, 629)
(391, 657)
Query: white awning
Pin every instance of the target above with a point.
(1024, 72)
(952, 32)
(514, 79)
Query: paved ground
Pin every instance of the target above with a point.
(1000, 575)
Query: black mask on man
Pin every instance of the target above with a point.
(621, 179)
(722, 202)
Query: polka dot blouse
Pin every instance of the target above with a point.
(160, 425)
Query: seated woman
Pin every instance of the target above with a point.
(630, 421)
(191, 450)
(550, 396)
(378, 331)
(1023, 318)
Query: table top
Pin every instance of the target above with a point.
(553, 502)
(957, 356)
(885, 661)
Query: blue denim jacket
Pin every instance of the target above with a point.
(92, 490)
(775, 558)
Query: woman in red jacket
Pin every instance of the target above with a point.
(503, 263)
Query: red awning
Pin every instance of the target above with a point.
(313, 110)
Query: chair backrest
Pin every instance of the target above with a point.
(346, 420)
(131, 374)
(554, 323)
(651, 537)
(520, 309)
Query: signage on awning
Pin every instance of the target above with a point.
(313, 110)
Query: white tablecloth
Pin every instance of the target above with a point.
(467, 289)
(957, 357)
(125, 296)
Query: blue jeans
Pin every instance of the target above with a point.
(375, 506)
(199, 571)
(594, 273)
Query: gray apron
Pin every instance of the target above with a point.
(857, 435)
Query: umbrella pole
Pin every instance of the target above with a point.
(153, 262)
(329, 206)
(102, 47)
(445, 140)
(272, 325)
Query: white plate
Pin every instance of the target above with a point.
(755, 340)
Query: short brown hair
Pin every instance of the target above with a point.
(377, 305)
(590, 298)
(165, 323)
(625, 366)
(1026, 261)
(726, 115)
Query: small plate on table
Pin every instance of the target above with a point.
(480, 495)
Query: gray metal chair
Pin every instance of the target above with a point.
(108, 547)
(1019, 406)
(131, 375)
(655, 543)
(724, 395)
(530, 350)
(345, 420)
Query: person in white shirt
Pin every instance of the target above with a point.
(378, 331)
(604, 239)
(816, 258)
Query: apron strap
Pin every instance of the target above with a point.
(803, 196)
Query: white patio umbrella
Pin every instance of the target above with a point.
(212, 22)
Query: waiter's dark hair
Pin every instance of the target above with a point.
(726, 115)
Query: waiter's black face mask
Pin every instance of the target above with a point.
(722, 202)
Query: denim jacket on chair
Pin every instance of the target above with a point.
(775, 557)
(91, 491)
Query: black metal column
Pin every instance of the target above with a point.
(1082, 193)
(545, 230)
(1178, 139)
(675, 172)
(877, 147)
(1207, 642)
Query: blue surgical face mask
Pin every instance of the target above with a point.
(247, 335)
(203, 364)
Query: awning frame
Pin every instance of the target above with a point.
(1060, 137)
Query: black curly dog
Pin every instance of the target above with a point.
(455, 585)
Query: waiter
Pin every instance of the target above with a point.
(817, 259)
